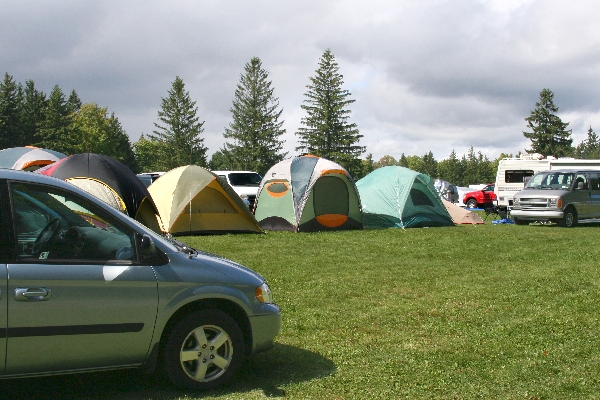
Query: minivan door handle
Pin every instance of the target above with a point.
(32, 294)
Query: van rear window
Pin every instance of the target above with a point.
(517, 176)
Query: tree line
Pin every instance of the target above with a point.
(253, 139)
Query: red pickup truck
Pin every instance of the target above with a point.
(481, 198)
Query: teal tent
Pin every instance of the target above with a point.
(397, 197)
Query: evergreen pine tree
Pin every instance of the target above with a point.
(368, 166)
(590, 147)
(402, 161)
(74, 102)
(326, 131)
(179, 131)
(429, 165)
(122, 149)
(256, 130)
(450, 169)
(549, 135)
(10, 119)
(32, 112)
(55, 130)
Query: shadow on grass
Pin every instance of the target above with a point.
(266, 372)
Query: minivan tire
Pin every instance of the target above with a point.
(203, 350)
(569, 218)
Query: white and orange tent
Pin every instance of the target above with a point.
(308, 194)
(28, 158)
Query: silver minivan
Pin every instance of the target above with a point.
(560, 196)
(83, 287)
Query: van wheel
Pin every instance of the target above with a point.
(203, 350)
(471, 203)
(569, 218)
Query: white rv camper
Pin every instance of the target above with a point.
(513, 172)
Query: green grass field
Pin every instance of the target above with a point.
(485, 311)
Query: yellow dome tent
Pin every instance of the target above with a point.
(192, 200)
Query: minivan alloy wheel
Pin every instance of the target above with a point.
(204, 350)
(206, 353)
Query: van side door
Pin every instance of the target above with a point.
(580, 197)
(594, 181)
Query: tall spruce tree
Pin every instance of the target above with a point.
(32, 112)
(590, 147)
(74, 102)
(122, 149)
(10, 120)
(549, 135)
(450, 169)
(56, 131)
(367, 166)
(326, 131)
(179, 129)
(256, 130)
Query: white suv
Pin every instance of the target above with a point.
(245, 184)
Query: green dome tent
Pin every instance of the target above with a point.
(397, 197)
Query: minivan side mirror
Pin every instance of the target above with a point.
(149, 253)
(146, 246)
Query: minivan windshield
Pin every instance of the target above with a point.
(551, 180)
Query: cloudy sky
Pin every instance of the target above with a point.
(426, 75)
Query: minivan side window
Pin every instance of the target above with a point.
(580, 177)
(51, 224)
(595, 181)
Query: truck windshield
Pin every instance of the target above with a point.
(244, 179)
(550, 180)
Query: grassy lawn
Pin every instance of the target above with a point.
(486, 311)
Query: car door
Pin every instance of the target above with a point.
(581, 198)
(5, 251)
(77, 298)
(594, 183)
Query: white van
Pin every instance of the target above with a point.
(514, 172)
(244, 183)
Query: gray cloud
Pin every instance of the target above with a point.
(426, 75)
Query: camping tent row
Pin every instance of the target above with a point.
(186, 200)
(304, 193)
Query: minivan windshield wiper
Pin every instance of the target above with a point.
(190, 251)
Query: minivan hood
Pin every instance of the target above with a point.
(231, 269)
